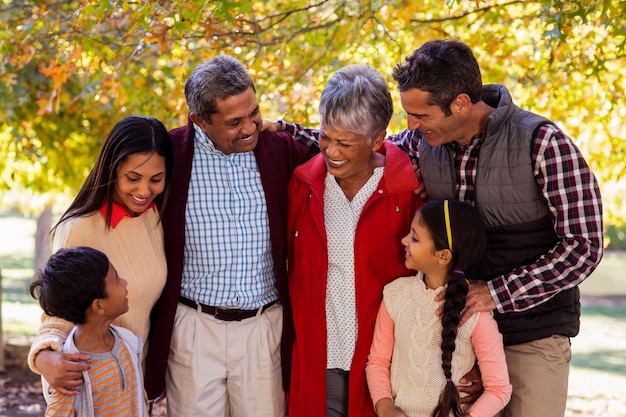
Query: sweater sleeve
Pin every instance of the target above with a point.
(378, 365)
(51, 335)
(487, 343)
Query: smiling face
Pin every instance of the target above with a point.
(429, 119)
(419, 247)
(348, 155)
(140, 178)
(236, 126)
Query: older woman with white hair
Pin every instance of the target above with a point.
(349, 207)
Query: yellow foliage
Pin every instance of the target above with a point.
(74, 68)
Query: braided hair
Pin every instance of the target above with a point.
(458, 227)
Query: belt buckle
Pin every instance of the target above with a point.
(216, 314)
(225, 314)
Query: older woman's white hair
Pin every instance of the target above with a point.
(357, 99)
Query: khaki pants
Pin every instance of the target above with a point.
(225, 368)
(539, 372)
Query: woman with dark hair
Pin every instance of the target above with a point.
(116, 211)
(417, 357)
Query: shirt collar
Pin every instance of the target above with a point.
(118, 212)
(202, 139)
(476, 141)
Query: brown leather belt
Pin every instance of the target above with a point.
(226, 314)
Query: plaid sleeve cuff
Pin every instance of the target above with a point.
(500, 294)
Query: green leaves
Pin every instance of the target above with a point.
(71, 69)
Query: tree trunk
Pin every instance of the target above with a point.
(43, 248)
(1, 336)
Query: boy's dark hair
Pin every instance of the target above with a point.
(469, 243)
(70, 281)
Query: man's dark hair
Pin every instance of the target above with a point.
(443, 68)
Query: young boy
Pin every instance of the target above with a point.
(80, 285)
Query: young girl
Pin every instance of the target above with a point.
(417, 357)
(117, 211)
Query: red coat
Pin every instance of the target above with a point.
(379, 258)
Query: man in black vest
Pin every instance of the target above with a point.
(536, 194)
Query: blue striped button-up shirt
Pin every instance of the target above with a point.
(228, 254)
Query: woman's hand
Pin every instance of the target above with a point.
(63, 371)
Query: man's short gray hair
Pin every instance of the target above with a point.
(218, 78)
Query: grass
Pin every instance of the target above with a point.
(601, 346)
(597, 381)
(20, 313)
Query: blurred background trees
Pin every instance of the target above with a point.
(70, 69)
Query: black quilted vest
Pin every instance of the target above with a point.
(518, 222)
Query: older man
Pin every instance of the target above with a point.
(220, 318)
